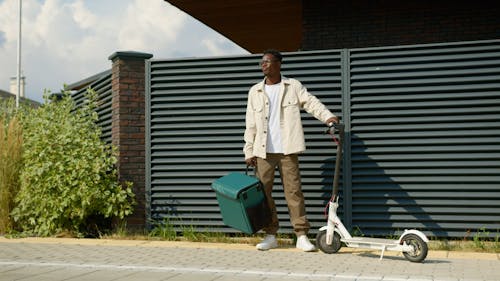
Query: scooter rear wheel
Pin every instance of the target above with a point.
(420, 248)
(325, 248)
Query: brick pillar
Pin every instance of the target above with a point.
(128, 125)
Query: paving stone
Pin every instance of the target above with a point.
(149, 276)
(67, 259)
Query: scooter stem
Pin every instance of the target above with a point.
(338, 161)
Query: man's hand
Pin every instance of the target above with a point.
(334, 119)
(252, 162)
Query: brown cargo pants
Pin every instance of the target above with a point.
(288, 166)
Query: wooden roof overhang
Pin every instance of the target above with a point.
(253, 25)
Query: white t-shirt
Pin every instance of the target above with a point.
(273, 128)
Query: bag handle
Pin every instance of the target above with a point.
(246, 170)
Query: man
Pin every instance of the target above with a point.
(274, 137)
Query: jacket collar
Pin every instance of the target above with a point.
(284, 81)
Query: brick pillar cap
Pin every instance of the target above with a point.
(130, 55)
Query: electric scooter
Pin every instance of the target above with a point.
(412, 243)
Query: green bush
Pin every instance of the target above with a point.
(68, 177)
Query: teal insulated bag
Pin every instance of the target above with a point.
(242, 202)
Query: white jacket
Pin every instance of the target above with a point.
(293, 97)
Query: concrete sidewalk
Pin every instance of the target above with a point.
(102, 259)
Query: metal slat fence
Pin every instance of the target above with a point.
(425, 131)
(102, 87)
(422, 147)
(196, 124)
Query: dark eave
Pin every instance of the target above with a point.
(254, 25)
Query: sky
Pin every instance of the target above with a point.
(65, 41)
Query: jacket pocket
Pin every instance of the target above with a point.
(290, 101)
(258, 109)
(291, 106)
(257, 106)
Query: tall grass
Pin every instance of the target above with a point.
(10, 166)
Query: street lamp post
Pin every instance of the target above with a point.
(18, 93)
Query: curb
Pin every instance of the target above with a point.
(232, 246)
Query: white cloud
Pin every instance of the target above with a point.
(2, 38)
(150, 27)
(83, 16)
(68, 40)
(8, 19)
(215, 46)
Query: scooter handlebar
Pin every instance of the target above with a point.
(335, 127)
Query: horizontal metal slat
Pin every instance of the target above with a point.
(457, 47)
(383, 60)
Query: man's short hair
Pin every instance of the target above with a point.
(275, 53)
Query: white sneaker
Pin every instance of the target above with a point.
(269, 242)
(304, 244)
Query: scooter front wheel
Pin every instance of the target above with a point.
(324, 247)
(419, 251)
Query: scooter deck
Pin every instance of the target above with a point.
(374, 241)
